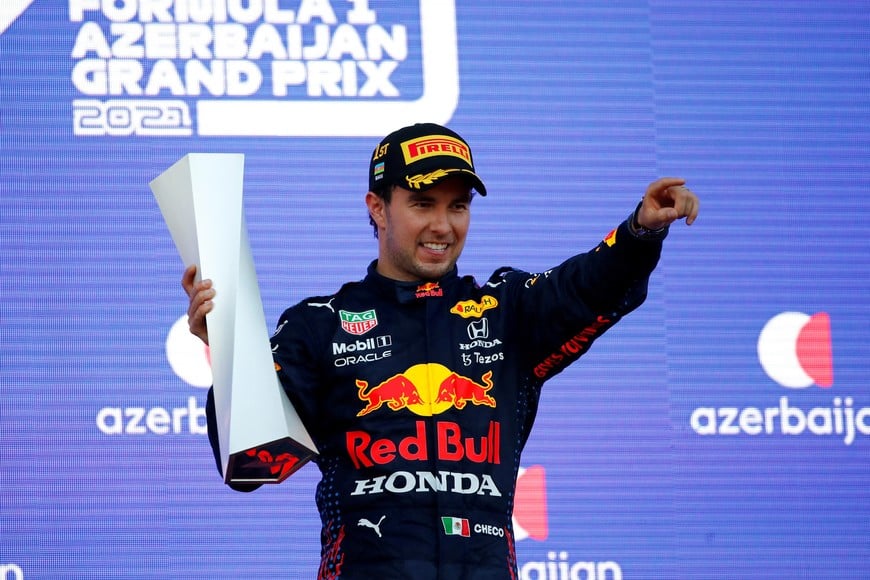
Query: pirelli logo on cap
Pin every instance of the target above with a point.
(434, 145)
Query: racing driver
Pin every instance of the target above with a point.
(420, 386)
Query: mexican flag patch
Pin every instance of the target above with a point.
(456, 527)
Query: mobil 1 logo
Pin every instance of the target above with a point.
(370, 349)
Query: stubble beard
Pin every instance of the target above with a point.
(413, 267)
(406, 261)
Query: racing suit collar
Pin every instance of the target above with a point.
(406, 292)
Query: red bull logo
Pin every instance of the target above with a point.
(426, 390)
(429, 289)
(452, 443)
(459, 390)
(397, 392)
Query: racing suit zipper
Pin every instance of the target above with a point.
(432, 309)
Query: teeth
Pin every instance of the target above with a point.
(438, 247)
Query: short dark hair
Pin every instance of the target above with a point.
(385, 192)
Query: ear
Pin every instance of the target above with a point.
(377, 209)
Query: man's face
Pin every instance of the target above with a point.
(421, 233)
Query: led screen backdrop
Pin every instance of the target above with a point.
(721, 431)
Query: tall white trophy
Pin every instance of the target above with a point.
(262, 439)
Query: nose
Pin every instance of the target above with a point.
(440, 220)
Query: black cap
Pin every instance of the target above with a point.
(419, 156)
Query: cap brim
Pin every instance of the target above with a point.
(475, 182)
(470, 177)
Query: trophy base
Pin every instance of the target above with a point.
(271, 462)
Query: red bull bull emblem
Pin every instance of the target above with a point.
(429, 290)
(426, 390)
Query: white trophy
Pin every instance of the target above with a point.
(262, 439)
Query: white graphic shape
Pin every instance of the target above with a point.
(200, 198)
(519, 532)
(530, 506)
(368, 524)
(357, 118)
(795, 350)
(187, 355)
(10, 10)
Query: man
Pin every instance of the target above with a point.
(418, 386)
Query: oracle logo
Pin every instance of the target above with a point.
(795, 350)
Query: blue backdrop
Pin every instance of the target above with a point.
(721, 431)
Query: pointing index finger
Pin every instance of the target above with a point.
(663, 184)
(694, 206)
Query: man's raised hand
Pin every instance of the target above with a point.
(200, 294)
(665, 201)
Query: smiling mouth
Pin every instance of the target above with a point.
(435, 247)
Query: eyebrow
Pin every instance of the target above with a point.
(421, 196)
(425, 196)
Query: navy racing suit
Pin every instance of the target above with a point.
(420, 397)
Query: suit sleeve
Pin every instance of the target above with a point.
(214, 441)
(296, 367)
(295, 350)
(562, 311)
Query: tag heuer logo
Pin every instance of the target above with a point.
(358, 322)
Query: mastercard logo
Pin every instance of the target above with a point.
(795, 350)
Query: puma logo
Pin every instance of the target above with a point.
(368, 524)
(324, 304)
